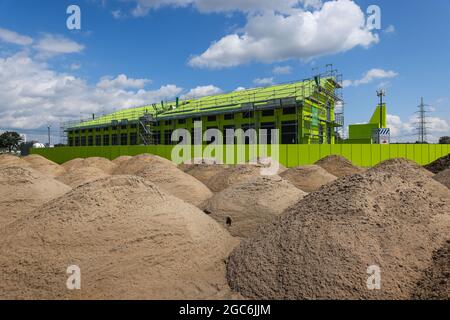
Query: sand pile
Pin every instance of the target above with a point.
(435, 283)
(44, 165)
(120, 160)
(12, 160)
(308, 178)
(95, 162)
(439, 165)
(130, 240)
(206, 173)
(244, 206)
(79, 176)
(166, 176)
(23, 189)
(322, 247)
(443, 177)
(339, 166)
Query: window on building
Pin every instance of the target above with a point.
(133, 126)
(288, 132)
(290, 110)
(83, 141)
(106, 140)
(106, 129)
(182, 121)
(248, 133)
(196, 119)
(320, 134)
(70, 132)
(91, 130)
(329, 135)
(114, 128)
(247, 114)
(212, 118)
(268, 113)
(157, 137)
(77, 141)
(77, 131)
(97, 129)
(114, 140)
(167, 137)
(123, 127)
(83, 131)
(98, 140)
(229, 136)
(229, 116)
(70, 141)
(124, 139)
(90, 141)
(266, 136)
(133, 138)
(168, 122)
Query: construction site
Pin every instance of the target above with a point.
(351, 219)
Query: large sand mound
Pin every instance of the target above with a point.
(23, 189)
(96, 162)
(439, 165)
(166, 176)
(443, 177)
(339, 166)
(44, 165)
(130, 240)
(120, 160)
(80, 176)
(435, 283)
(323, 246)
(243, 207)
(12, 160)
(308, 178)
(205, 173)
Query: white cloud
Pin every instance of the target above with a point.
(406, 131)
(370, 76)
(337, 26)
(75, 66)
(282, 70)
(239, 89)
(202, 91)
(122, 82)
(390, 29)
(33, 95)
(263, 81)
(15, 38)
(52, 45)
(117, 14)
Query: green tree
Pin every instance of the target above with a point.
(444, 140)
(10, 141)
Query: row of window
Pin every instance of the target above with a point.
(113, 128)
(123, 139)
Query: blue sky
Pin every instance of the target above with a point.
(132, 52)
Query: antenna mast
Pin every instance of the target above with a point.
(422, 127)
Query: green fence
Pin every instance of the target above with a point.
(364, 155)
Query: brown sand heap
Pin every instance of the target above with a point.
(23, 189)
(439, 165)
(443, 177)
(100, 163)
(406, 168)
(206, 173)
(339, 166)
(435, 283)
(308, 178)
(44, 165)
(80, 176)
(166, 176)
(243, 207)
(322, 247)
(130, 240)
(12, 160)
(120, 160)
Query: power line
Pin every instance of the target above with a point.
(422, 124)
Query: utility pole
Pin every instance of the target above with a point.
(48, 127)
(381, 93)
(422, 123)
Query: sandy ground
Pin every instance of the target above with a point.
(308, 178)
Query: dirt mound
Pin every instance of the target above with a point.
(406, 168)
(130, 240)
(44, 165)
(439, 165)
(120, 160)
(95, 162)
(322, 247)
(12, 160)
(308, 178)
(435, 283)
(80, 176)
(23, 189)
(243, 207)
(339, 166)
(166, 176)
(443, 177)
(206, 173)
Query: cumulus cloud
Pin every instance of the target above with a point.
(282, 70)
(337, 26)
(33, 95)
(263, 81)
(202, 91)
(122, 82)
(9, 36)
(406, 131)
(52, 45)
(370, 76)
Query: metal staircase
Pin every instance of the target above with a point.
(147, 131)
